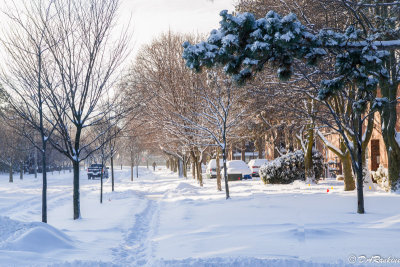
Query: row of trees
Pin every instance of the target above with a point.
(283, 81)
(359, 55)
(184, 113)
(59, 78)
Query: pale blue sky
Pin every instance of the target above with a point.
(151, 17)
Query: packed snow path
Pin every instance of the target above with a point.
(161, 220)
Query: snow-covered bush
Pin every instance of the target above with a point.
(290, 167)
(381, 177)
(318, 165)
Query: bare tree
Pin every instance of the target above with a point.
(105, 138)
(14, 149)
(86, 56)
(26, 61)
(168, 90)
(219, 112)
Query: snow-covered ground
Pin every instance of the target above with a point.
(160, 220)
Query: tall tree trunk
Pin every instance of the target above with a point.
(243, 151)
(180, 168)
(185, 167)
(359, 168)
(219, 186)
(225, 171)
(199, 172)
(260, 147)
(345, 158)
(11, 178)
(101, 183)
(388, 126)
(132, 165)
(76, 201)
(137, 168)
(21, 171)
(308, 163)
(35, 162)
(388, 114)
(112, 171)
(193, 165)
(175, 164)
(44, 186)
(349, 184)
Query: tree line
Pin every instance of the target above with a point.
(286, 73)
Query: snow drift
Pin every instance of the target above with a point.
(33, 237)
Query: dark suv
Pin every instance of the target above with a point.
(95, 170)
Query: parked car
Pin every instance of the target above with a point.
(255, 165)
(95, 170)
(237, 170)
(211, 171)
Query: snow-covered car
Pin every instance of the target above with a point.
(237, 170)
(95, 170)
(255, 165)
(211, 171)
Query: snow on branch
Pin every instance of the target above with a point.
(244, 45)
(330, 145)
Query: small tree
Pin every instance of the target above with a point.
(218, 114)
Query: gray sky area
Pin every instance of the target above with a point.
(149, 18)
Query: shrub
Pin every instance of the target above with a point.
(381, 177)
(318, 165)
(290, 167)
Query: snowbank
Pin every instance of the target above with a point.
(33, 237)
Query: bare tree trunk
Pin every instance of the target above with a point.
(21, 171)
(359, 167)
(349, 184)
(44, 186)
(101, 183)
(76, 202)
(260, 147)
(112, 172)
(185, 167)
(199, 172)
(308, 163)
(388, 126)
(219, 186)
(11, 178)
(137, 168)
(346, 162)
(132, 165)
(243, 151)
(193, 165)
(180, 168)
(225, 171)
(35, 162)
(175, 164)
